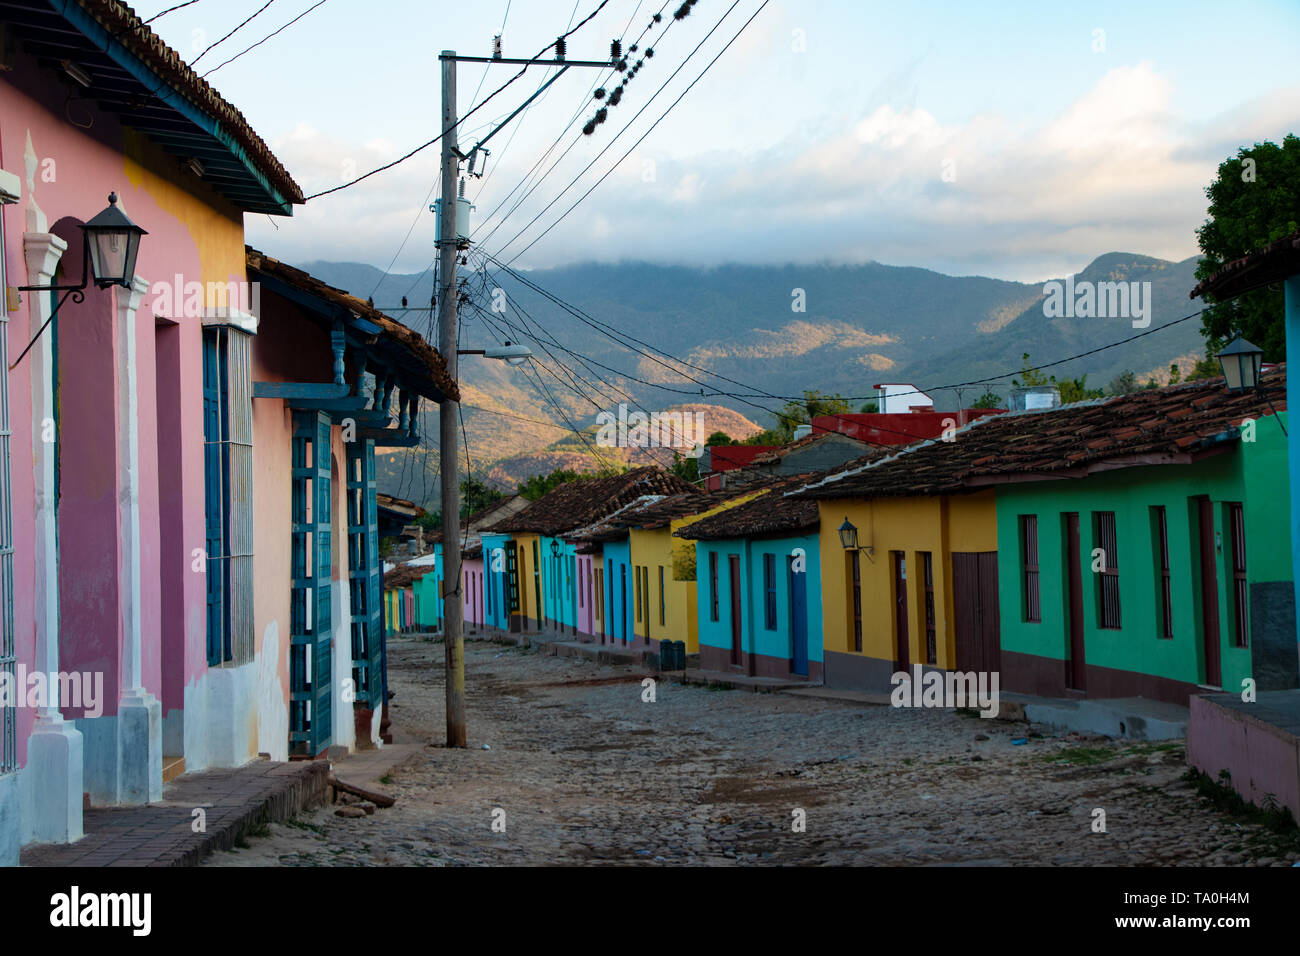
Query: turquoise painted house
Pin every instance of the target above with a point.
(496, 581)
(1157, 563)
(758, 587)
(559, 565)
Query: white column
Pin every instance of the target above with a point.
(139, 713)
(52, 778)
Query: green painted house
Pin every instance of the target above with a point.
(1152, 556)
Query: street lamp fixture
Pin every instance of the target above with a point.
(555, 548)
(849, 538)
(1241, 362)
(510, 354)
(110, 244)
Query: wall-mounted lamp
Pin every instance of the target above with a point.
(110, 244)
(78, 75)
(1241, 362)
(555, 548)
(849, 538)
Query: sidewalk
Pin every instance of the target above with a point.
(235, 803)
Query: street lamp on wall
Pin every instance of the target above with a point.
(555, 548)
(110, 245)
(849, 539)
(510, 354)
(1241, 362)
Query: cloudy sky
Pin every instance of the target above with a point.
(1007, 139)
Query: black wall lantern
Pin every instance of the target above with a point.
(1241, 362)
(110, 245)
(848, 536)
(555, 548)
(113, 242)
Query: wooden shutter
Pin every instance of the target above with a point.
(1108, 577)
(1032, 607)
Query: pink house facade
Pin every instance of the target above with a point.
(149, 424)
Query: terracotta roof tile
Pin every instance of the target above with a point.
(576, 504)
(1172, 423)
(771, 514)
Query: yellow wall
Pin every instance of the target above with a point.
(528, 592)
(911, 525)
(216, 227)
(654, 549)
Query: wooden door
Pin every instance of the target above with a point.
(733, 568)
(1209, 591)
(975, 611)
(798, 620)
(1077, 670)
(902, 653)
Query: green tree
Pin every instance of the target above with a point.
(795, 413)
(475, 495)
(1205, 368)
(430, 520)
(870, 408)
(1254, 201)
(989, 399)
(1125, 383)
(1175, 373)
(539, 485)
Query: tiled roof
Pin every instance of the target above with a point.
(122, 24)
(774, 455)
(1152, 426)
(611, 527)
(1274, 262)
(404, 575)
(770, 514)
(665, 511)
(424, 355)
(578, 503)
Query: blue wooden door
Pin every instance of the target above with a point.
(363, 574)
(798, 621)
(310, 628)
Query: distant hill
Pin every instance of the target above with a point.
(860, 324)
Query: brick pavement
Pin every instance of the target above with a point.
(235, 801)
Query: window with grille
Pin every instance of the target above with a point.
(856, 564)
(1104, 538)
(1240, 592)
(769, 591)
(931, 643)
(713, 585)
(228, 493)
(1030, 605)
(636, 584)
(1160, 549)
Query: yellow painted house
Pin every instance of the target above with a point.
(909, 569)
(665, 565)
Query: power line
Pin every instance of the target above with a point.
(263, 40)
(642, 137)
(231, 33)
(459, 121)
(162, 13)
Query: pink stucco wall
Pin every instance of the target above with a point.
(1260, 757)
(67, 174)
(586, 612)
(472, 595)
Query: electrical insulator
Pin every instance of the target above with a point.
(496, 47)
(559, 48)
(615, 49)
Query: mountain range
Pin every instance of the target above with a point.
(735, 341)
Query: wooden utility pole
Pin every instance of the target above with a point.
(453, 634)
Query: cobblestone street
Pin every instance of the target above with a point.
(585, 771)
